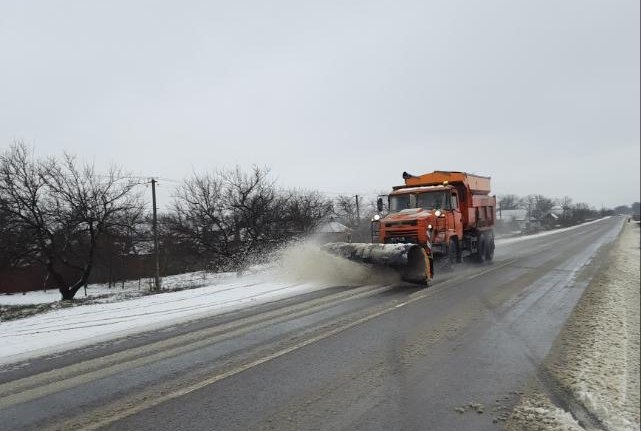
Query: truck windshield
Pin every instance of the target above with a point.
(432, 200)
(399, 202)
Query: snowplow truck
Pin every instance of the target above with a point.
(445, 216)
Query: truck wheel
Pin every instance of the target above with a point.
(453, 253)
(489, 247)
(481, 248)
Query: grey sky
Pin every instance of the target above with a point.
(337, 96)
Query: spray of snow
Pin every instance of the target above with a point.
(304, 261)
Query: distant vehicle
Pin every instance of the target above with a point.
(443, 214)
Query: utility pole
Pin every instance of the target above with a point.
(154, 228)
(358, 213)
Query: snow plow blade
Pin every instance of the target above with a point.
(410, 260)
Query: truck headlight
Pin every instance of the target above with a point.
(376, 217)
(438, 213)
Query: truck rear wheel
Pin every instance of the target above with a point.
(481, 248)
(489, 246)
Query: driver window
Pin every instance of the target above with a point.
(454, 201)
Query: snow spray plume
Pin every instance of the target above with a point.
(304, 261)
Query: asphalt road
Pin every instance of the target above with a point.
(454, 356)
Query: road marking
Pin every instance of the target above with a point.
(148, 403)
(39, 385)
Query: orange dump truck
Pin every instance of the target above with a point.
(441, 215)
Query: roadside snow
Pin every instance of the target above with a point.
(301, 268)
(596, 356)
(536, 412)
(73, 327)
(131, 288)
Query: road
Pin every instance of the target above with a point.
(371, 358)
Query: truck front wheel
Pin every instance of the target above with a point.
(453, 252)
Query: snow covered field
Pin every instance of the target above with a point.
(76, 326)
(301, 268)
(596, 356)
(132, 288)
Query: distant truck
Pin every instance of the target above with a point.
(441, 215)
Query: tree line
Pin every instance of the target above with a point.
(567, 212)
(63, 220)
(65, 224)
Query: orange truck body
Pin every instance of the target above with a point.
(461, 225)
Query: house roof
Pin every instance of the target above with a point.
(332, 227)
(517, 214)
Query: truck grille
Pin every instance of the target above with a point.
(401, 236)
(401, 223)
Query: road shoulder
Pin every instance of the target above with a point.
(590, 379)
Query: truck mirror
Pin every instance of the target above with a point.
(379, 204)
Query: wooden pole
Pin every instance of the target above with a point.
(155, 233)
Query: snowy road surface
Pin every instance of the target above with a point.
(387, 356)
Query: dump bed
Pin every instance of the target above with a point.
(477, 184)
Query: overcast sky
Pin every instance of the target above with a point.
(339, 96)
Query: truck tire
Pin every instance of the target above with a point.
(453, 252)
(481, 248)
(489, 246)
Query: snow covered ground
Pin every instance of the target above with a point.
(76, 326)
(131, 288)
(301, 268)
(596, 356)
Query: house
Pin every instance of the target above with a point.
(333, 231)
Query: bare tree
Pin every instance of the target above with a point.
(510, 202)
(304, 211)
(345, 209)
(200, 217)
(65, 209)
(538, 206)
(543, 206)
(257, 212)
(227, 216)
(582, 212)
(232, 218)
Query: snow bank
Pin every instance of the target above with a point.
(77, 326)
(131, 288)
(299, 262)
(299, 269)
(536, 412)
(596, 356)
